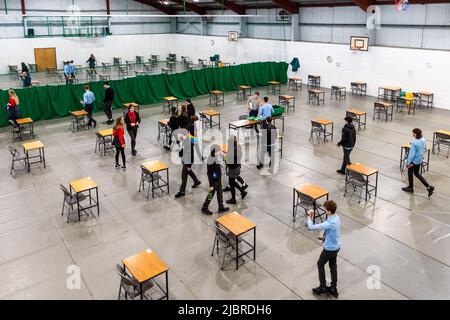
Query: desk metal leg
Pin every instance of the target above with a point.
(434, 138)
(367, 187)
(28, 161)
(376, 185)
(293, 204)
(78, 206)
(167, 285)
(254, 243)
(237, 253)
(167, 180)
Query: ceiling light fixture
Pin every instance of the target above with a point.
(166, 3)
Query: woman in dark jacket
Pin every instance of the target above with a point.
(234, 156)
(347, 143)
(183, 118)
(214, 171)
(92, 62)
(173, 125)
(132, 120)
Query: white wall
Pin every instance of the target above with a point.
(379, 66)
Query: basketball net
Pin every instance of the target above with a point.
(401, 5)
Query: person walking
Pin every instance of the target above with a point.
(331, 247)
(187, 158)
(233, 163)
(347, 143)
(267, 144)
(132, 121)
(415, 159)
(92, 62)
(214, 172)
(88, 102)
(254, 102)
(119, 142)
(108, 101)
(12, 107)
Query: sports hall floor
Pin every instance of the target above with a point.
(406, 235)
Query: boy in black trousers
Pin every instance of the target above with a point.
(107, 102)
(347, 143)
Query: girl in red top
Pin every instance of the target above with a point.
(119, 142)
(13, 108)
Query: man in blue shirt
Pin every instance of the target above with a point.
(88, 102)
(67, 73)
(72, 70)
(266, 110)
(415, 159)
(331, 247)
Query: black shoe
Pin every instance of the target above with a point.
(124, 168)
(259, 166)
(180, 194)
(340, 172)
(223, 209)
(196, 184)
(117, 166)
(133, 153)
(320, 291)
(167, 148)
(206, 211)
(430, 191)
(231, 201)
(408, 189)
(95, 124)
(333, 291)
(243, 194)
(244, 186)
(227, 188)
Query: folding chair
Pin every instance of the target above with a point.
(152, 180)
(316, 130)
(357, 181)
(226, 242)
(130, 286)
(104, 143)
(69, 201)
(442, 139)
(307, 203)
(17, 157)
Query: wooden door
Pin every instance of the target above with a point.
(45, 58)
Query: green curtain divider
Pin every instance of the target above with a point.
(47, 102)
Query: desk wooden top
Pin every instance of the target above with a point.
(425, 93)
(243, 123)
(408, 146)
(323, 122)
(236, 223)
(359, 82)
(357, 112)
(164, 122)
(216, 92)
(313, 76)
(287, 97)
(312, 190)
(104, 75)
(273, 82)
(210, 113)
(24, 121)
(295, 78)
(105, 132)
(170, 98)
(446, 132)
(130, 104)
(384, 104)
(339, 87)
(145, 265)
(155, 166)
(244, 87)
(359, 168)
(78, 113)
(32, 145)
(390, 88)
(139, 71)
(315, 90)
(83, 184)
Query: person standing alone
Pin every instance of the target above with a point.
(88, 102)
(132, 121)
(415, 159)
(119, 142)
(347, 143)
(331, 247)
(108, 101)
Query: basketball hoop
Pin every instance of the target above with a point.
(233, 36)
(401, 5)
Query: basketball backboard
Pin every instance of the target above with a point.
(359, 43)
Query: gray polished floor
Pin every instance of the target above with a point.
(405, 238)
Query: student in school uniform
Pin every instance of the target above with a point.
(92, 62)
(265, 110)
(132, 121)
(12, 107)
(66, 71)
(233, 163)
(415, 159)
(268, 141)
(108, 101)
(173, 125)
(88, 102)
(214, 171)
(119, 142)
(183, 118)
(187, 158)
(253, 105)
(72, 70)
(331, 247)
(347, 143)
(190, 108)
